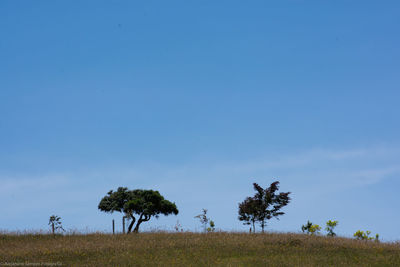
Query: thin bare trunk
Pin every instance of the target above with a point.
(131, 224)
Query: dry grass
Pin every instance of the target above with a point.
(193, 249)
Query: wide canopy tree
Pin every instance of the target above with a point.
(143, 203)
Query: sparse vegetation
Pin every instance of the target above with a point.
(361, 235)
(311, 228)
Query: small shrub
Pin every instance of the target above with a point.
(314, 229)
(306, 227)
(311, 228)
(361, 235)
(329, 227)
(212, 226)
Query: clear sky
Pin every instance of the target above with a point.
(199, 99)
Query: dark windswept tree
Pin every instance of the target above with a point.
(143, 203)
(270, 202)
(265, 205)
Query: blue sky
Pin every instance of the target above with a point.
(199, 99)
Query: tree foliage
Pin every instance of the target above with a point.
(143, 203)
(264, 205)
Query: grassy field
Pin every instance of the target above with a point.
(193, 249)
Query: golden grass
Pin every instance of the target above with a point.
(194, 249)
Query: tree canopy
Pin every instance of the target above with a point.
(263, 206)
(144, 203)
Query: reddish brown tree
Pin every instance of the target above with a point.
(265, 205)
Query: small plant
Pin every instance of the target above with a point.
(361, 235)
(314, 229)
(56, 224)
(306, 227)
(204, 220)
(329, 227)
(311, 228)
(212, 226)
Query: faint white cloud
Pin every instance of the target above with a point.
(21, 183)
(373, 176)
(322, 165)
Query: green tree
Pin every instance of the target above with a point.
(265, 205)
(144, 203)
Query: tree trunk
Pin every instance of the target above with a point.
(254, 227)
(131, 224)
(146, 218)
(262, 226)
(136, 230)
